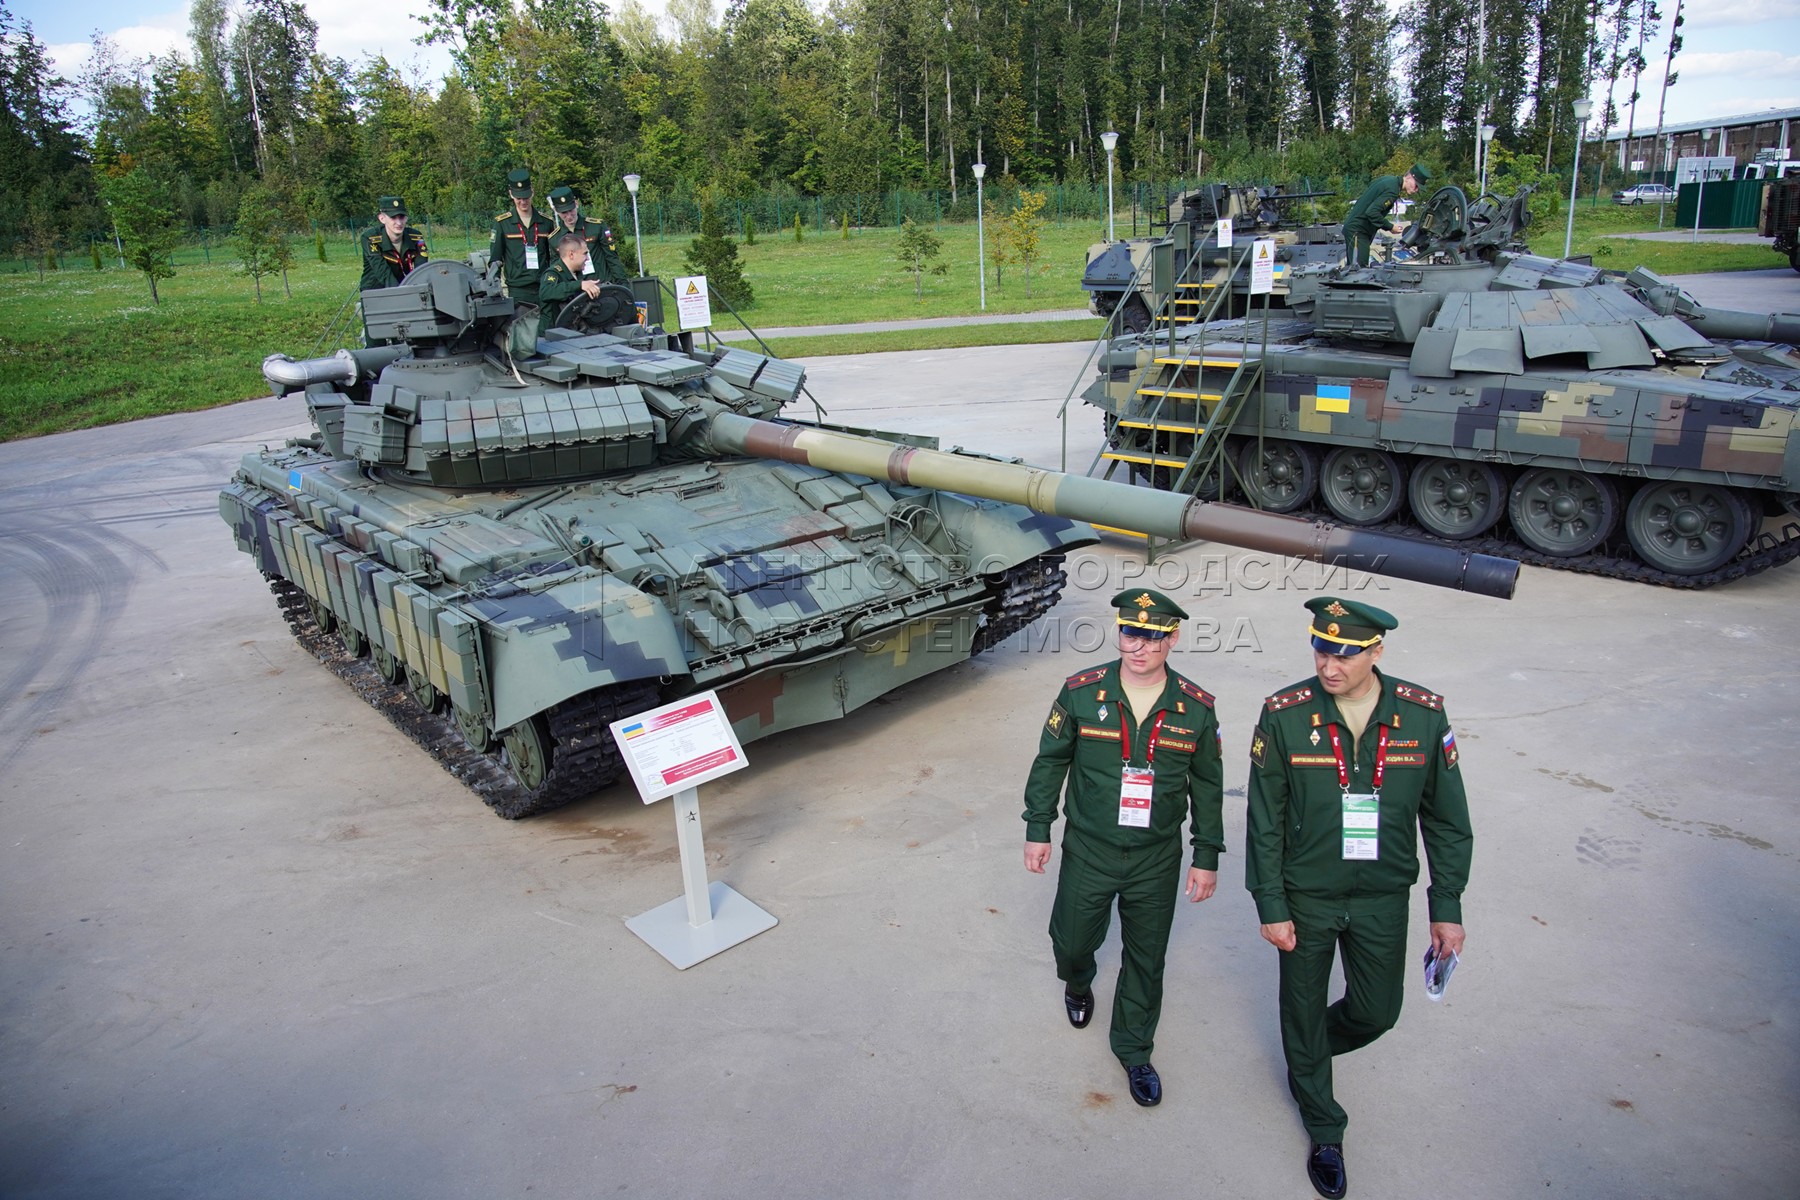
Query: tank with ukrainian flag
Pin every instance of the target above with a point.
(1477, 395)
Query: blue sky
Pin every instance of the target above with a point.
(1740, 56)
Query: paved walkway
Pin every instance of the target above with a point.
(1072, 314)
(1736, 237)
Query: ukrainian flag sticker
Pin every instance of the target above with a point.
(1334, 398)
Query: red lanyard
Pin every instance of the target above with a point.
(1125, 737)
(1337, 752)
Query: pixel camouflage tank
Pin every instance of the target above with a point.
(504, 556)
(1483, 396)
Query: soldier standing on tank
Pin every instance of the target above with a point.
(1347, 770)
(1138, 747)
(391, 248)
(603, 253)
(1369, 215)
(521, 241)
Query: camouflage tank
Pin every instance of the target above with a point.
(504, 556)
(1118, 276)
(1533, 407)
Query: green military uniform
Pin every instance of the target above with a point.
(1090, 735)
(1300, 866)
(556, 287)
(383, 263)
(1369, 215)
(604, 263)
(522, 248)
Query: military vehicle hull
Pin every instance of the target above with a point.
(1545, 411)
(506, 555)
(1118, 276)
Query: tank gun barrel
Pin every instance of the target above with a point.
(1757, 327)
(1161, 514)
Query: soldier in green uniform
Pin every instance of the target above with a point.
(1347, 770)
(521, 241)
(603, 252)
(391, 248)
(571, 275)
(1370, 212)
(1138, 746)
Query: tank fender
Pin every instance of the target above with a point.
(547, 646)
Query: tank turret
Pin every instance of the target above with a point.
(1526, 406)
(507, 554)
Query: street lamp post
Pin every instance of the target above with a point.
(1581, 109)
(637, 237)
(1109, 139)
(1487, 145)
(1700, 192)
(980, 170)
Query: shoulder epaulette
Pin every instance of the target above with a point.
(1288, 699)
(501, 216)
(1085, 678)
(1417, 695)
(1197, 693)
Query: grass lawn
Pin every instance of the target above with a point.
(84, 348)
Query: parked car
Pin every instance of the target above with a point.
(1653, 193)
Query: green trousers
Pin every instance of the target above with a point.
(1371, 933)
(1145, 887)
(1358, 241)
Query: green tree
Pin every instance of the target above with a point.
(145, 219)
(260, 240)
(918, 246)
(798, 237)
(319, 243)
(1022, 230)
(715, 256)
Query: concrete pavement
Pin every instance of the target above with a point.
(255, 943)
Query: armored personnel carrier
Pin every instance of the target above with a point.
(1526, 406)
(1118, 277)
(505, 556)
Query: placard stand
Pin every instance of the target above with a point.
(671, 751)
(705, 919)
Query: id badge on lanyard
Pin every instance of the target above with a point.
(1361, 811)
(1137, 785)
(531, 258)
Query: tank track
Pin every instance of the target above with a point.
(1763, 552)
(584, 757)
(1027, 592)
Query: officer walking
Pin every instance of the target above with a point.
(1138, 747)
(603, 253)
(1369, 215)
(1347, 769)
(521, 241)
(391, 248)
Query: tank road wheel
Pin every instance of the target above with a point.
(1563, 513)
(1687, 528)
(321, 615)
(355, 642)
(1456, 499)
(1136, 317)
(386, 665)
(418, 686)
(1282, 478)
(526, 751)
(1362, 485)
(474, 729)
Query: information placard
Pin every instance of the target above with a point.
(1262, 266)
(679, 746)
(693, 303)
(1224, 233)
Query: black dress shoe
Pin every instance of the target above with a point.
(1146, 1086)
(1325, 1167)
(1080, 1008)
